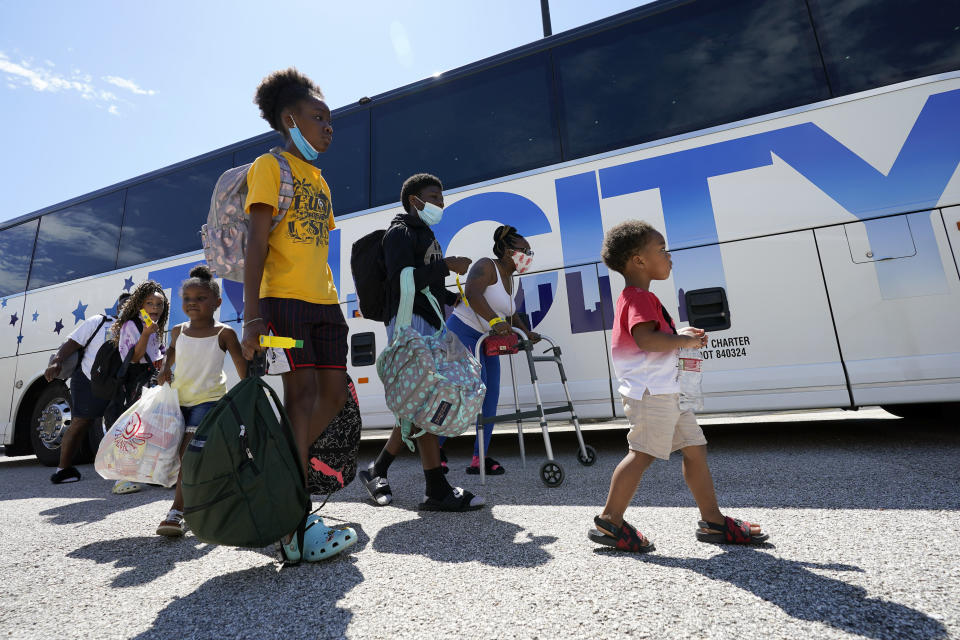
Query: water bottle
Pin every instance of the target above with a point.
(690, 377)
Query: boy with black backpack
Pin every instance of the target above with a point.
(86, 408)
(409, 242)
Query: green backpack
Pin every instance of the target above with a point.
(242, 482)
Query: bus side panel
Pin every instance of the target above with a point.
(11, 324)
(8, 375)
(951, 222)
(781, 350)
(895, 292)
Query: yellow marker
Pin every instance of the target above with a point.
(463, 296)
(147, 321)
(280, 342)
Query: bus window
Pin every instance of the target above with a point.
(876, 43)
(346, 164)
(78, 241)
(248, 154)
(693, 66)
(484, 125)
(162, 217)
(16, 247)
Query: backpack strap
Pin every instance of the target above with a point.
(86, 344)
(407, 293)
(286, 185)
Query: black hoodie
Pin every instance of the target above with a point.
(409, 242)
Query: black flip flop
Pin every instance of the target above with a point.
(455, 501)
(376, 486)
(70, 474)
(493, 468)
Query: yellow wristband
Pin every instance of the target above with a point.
(496, 321)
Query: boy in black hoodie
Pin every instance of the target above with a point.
(409, 242)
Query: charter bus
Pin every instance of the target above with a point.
(800, 156)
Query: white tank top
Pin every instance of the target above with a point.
(198, 375)
(502, 303)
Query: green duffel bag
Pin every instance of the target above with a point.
(242, 482)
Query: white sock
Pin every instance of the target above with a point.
(59, 469)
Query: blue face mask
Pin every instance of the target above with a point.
(430, 214)
(304, 147)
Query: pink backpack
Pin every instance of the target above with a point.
(224, 237)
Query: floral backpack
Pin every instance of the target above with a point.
(430, 382)
(224, 237)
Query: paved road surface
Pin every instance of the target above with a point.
(863, 511)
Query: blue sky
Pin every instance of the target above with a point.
(92, 93)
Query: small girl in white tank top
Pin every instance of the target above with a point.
(198, 349)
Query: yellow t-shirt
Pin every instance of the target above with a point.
(296, 265)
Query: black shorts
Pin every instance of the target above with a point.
(82, 401)
(320, 326)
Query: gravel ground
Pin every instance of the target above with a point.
(862, 512)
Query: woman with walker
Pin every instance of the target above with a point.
(490, 307)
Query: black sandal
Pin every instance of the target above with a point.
(376, 486)
(457, 500)
(70, 474)
(625, 537)
(493, 468)
(732, 531)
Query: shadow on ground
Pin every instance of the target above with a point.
(261, 602)
(474, 536)
(805, 595)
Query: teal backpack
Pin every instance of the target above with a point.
(431, 383)
(242, 482)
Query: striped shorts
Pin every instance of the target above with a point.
(320, 326)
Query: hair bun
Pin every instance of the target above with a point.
(202, 272)
(502, 232)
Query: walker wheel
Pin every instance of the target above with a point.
(590, 458)
(551, 473)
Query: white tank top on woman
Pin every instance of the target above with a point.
(199, 375)
(502, 303)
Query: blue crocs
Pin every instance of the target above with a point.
(321, 542)
(290, 553)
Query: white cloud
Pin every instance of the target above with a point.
(113, 110)
(401, 44)
(130, 85)
(44, 79)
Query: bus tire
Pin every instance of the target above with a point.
(53, 394)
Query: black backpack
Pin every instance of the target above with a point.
(332, 463)
(108, 370)
(370, 275)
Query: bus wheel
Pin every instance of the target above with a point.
(49, 422)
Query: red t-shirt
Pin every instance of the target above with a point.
(638, 370)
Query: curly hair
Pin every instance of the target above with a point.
(131, 308)
(282, 89)
(414, 185)
(201, 276)
(504, 237)
(624, 241)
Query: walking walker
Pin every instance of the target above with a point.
(551, 473)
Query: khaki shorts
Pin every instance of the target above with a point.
(658, 427)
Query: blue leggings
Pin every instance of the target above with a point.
(489, 373)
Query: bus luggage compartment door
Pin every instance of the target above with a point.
(891, 311)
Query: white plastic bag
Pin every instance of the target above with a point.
(143, 445)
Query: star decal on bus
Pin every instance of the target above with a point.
(3, 303)
(19, 338)
(36, 315)
(58, 327)
(13, 320)
(80, 313)
(127, 284)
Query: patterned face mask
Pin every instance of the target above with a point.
(521, 260)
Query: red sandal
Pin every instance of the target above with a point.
(732, 531)
(624, 537)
